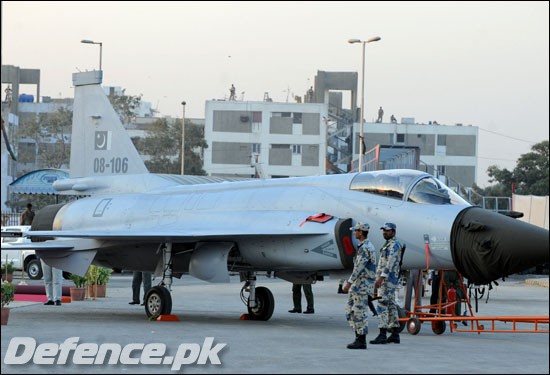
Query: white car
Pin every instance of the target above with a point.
(31, 263)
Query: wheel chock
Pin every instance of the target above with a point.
(244, 317)
(168, 318)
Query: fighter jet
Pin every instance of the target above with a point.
(298, 228)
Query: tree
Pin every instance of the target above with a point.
(126, 106)
(163, 146)
(531, 172)
(56, 153)
(529, 177)
(50, 132)
(28, 129)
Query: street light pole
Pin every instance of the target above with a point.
(351, 41)
(87, 41)
(183, 138)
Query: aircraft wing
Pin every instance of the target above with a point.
(38, 245)
(172, 235)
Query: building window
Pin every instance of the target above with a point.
(256, 116)
(442, 140)
(256, 147)
(297, 118)
(256, 122)
(297, 149)
(400, 138)
(281, 114)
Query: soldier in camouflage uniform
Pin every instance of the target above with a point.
(361, 286)
(387, 278)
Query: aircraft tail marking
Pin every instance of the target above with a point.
(100, 146)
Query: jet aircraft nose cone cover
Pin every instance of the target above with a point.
(487, 245)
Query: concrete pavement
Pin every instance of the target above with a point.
(287, 343)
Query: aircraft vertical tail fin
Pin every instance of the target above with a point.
(100, 146)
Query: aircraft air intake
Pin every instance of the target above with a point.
(487, 245)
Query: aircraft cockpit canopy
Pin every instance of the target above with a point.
(409, 185)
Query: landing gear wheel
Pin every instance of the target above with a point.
(438, 326)
(413, 326)
(34, 269)
(265, 304)
(158, 301)
(402, 314)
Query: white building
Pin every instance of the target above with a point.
(290, 139)
(284, 139)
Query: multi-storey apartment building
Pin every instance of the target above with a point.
(320, 136)
(280, 139)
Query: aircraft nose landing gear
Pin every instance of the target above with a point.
(260, 301)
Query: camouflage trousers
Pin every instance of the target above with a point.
(356, 313)
(388, 316)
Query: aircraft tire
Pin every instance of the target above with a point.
(158, 301)
(34, 269)
(413, 326)
(265, 304)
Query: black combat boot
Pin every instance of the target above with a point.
(381, 338)
(394, 337)
(359, 343)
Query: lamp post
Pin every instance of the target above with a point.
(86, 41)
(351, 41)
(183, 138)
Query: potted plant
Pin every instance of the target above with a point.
(8, 293)
(104, 275)
(7, 271)
(97, 278)
(92, 276)
(79, 291)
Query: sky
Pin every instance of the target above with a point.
(477, 63)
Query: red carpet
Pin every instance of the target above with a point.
(38, 289)
(36, 298)
(37, 293)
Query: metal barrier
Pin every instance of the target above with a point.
(10, 218)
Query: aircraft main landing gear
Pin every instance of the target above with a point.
(260, 301)
(158, 300)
